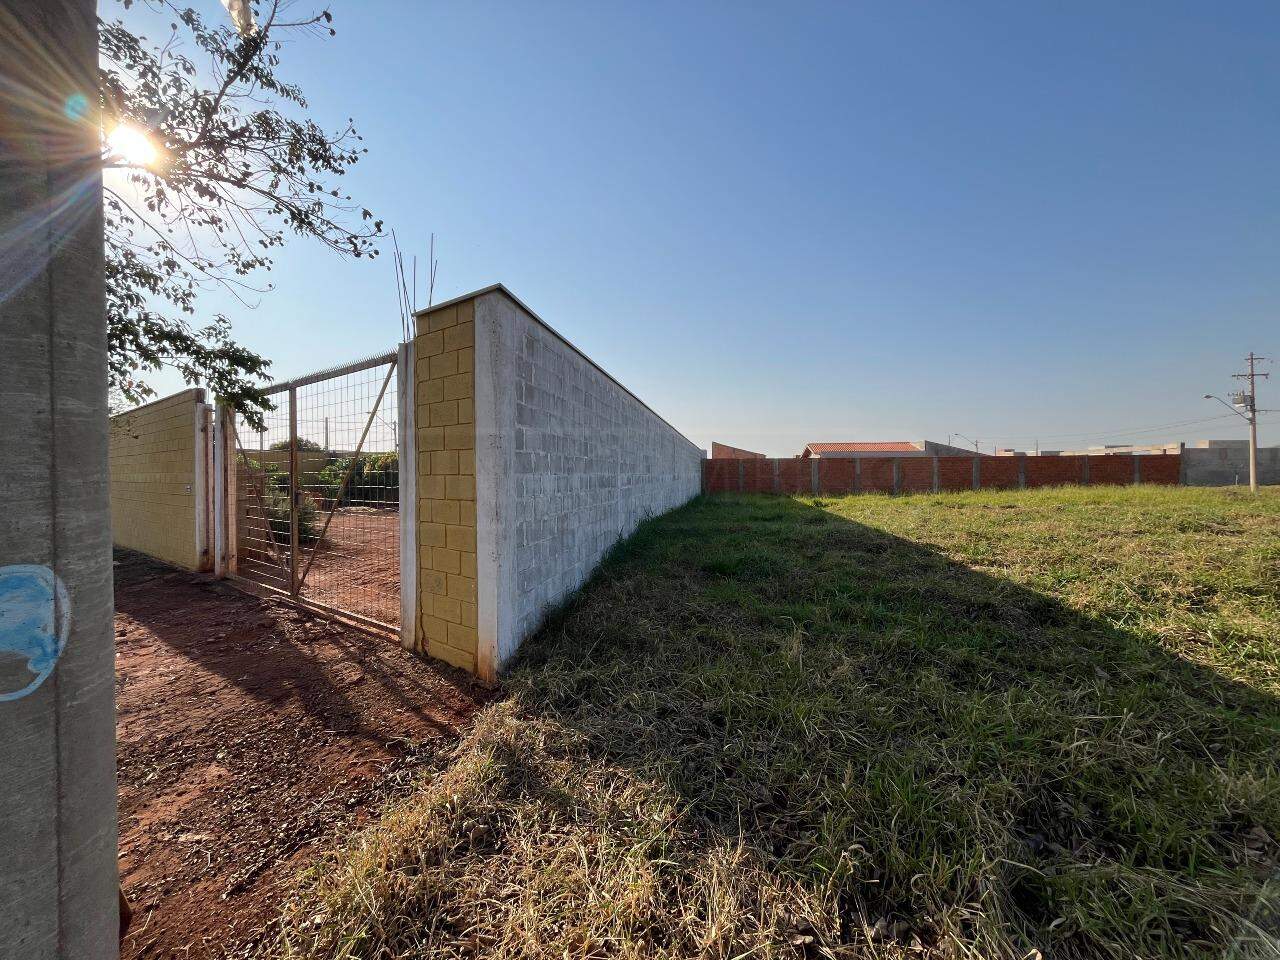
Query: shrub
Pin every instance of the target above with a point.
(380, 479)
(303, 444)
(375, 479)
(277, 510)
(276, 477)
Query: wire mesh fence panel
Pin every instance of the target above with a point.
(263, 514)
(348, 505)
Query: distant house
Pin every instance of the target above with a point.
(722, 451)
(883, 448)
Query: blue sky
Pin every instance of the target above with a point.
(789, 222)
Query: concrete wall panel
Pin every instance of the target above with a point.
(568, 462)
(1224, 466)
(155, 491)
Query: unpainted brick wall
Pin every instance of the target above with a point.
(444, 391)
(722, 451)
(927, 474)
(152, 457)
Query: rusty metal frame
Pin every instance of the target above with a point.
(289, 569)
(266, 518)
(351, 469)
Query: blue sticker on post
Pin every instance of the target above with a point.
(34, 617)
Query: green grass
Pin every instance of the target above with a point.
(967, 725)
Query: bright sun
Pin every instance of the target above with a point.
(132, 146)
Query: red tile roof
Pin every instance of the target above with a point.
(879, 446)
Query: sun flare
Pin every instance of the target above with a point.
(133, 146)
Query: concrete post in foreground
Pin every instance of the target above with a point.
(58, 879)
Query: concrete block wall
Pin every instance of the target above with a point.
(158, 493)
(1221, 466)
(532, 463)
(444, 392)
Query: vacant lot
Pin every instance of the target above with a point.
(968, 725)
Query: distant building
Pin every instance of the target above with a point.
(722, 451)
(1127, 449)
(883, 448)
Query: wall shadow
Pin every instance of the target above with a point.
(281, 655)
(946, 749)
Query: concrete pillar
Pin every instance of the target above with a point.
(407, 458)
(58, 879)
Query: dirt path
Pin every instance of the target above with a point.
(249, 732)
(357, 568)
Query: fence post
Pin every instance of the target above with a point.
(935, 474)
(897, 474)
(1182, 465)
(1137, 468)
(742, 481)
(813, 476)
(977, 473)
(224, 491)
(1084, 470)
(1022, 471)
(294, 586)
(777, 479)
(407, 457)
(202, 485)
(857, 474)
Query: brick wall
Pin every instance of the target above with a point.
(722, 451)
(876, 475)
(444, 394)
(1110, 469)
(927, 474)
(1163, 468)
(155, 491)
(1000, 473)
(1055, 471)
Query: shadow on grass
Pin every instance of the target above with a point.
(766, 728)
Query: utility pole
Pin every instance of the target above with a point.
(1251, 405)
(1248, 400)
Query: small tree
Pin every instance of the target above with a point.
(220, 174)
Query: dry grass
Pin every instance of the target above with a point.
(969, 725)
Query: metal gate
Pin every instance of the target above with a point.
(317, 501)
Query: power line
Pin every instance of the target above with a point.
(1099, 434)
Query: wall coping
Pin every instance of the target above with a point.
(500, 288)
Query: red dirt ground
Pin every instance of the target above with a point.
(357, 567)
(250, 734)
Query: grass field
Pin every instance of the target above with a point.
(1011, 725)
